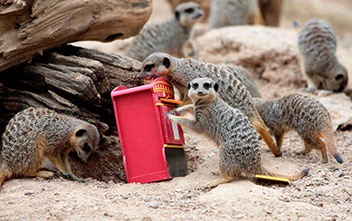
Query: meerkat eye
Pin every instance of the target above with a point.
(206, 86)
(177, 15)
(80, 132)
(195, 85)
(216, 87)
(338, 77)
(148, 67)
(166, 62)
(189, 10)
(86, 148)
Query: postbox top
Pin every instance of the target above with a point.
(163, 88)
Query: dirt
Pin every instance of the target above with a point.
(325, 194)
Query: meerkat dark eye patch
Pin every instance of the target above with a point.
(189, 10)
(216, 87)
(81, 132)
(86, 148)
(206, 86)
(188, 86)
(177, 15)
(148, 67)
(195, 85)
(339, 77)
(166, 62)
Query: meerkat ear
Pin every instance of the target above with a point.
(166, 62)
(177, 15)
(188, 86)
(81, 132)
(216, 87)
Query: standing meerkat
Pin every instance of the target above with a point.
(317, 45)
(181, 71)
(239, 147)
(303, 114)
(170, 36)
(37, 132)
(234, 12)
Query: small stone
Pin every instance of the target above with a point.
(319, 193)
(28, 193)
(178, 190)
(338, 174)
(285, 199)
(153, 204)
(240, 216)
(111, 182)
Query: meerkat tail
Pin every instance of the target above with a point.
(260, 127)
(3, 178)
(301, 174)
(330, 144)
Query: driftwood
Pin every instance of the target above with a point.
(77, 82)
(29, 27)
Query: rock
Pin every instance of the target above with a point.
(153, 204)
(285, 199)
(268, 53)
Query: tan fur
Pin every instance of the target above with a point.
(37, 132)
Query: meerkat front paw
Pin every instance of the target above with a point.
(174, 112)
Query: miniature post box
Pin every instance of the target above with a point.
(152, 146)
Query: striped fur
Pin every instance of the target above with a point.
(317, 45)
(229, 127)
(37, 132)
(169, 36)
(181, 71)
(303, 114)
(234, 12)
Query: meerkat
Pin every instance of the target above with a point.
(317, 46)
(169, 36)
(38, 132)
(243, 76)
(239, 147)
(304, 114)
(181, 71)
(234, 12)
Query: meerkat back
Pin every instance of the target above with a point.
(317, 45)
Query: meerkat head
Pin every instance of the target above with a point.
(202, 89)
(188, 13)
(157, 65)
(85, 140)
(339, 79)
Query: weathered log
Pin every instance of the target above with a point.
(74, 81)
(28, 27)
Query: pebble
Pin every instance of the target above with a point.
(338, 174)
(240, 216)
(319, 193)
(28, 193)
(285, 199)
(153, 204)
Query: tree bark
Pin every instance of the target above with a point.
(29, 27)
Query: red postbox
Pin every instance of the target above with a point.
(152, 146)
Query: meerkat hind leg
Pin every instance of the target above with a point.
(306, 149)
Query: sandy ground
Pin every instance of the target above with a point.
(325, 194)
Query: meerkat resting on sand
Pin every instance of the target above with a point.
(317, 45)
(228, 127)
(234, 12)
(37, 132)
(303, 114)
(181, 71)
(169, 37)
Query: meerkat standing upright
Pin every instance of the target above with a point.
(181, 71)
(234, 12)
(37, 132)
(229, 127)
(303, 114)
(170, 36)
(317, 45)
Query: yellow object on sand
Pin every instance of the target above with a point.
(270, 178)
